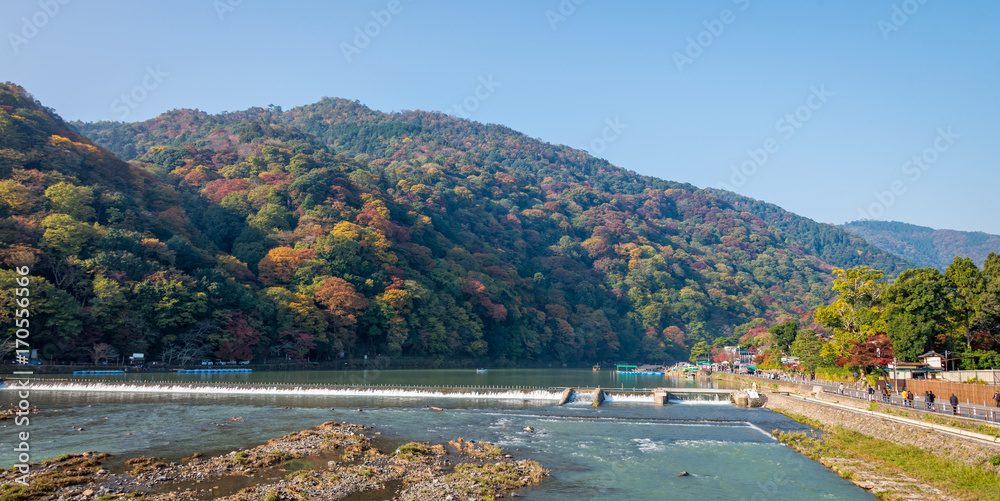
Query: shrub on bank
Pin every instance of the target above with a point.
(839, 374)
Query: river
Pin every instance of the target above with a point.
(623, 449)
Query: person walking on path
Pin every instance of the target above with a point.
(954, 404)
(841, 389)
(909, 397)
(996, 398)
(871, 393)
(929, 400)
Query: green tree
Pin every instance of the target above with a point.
(920, 308)
(73, 200)
(784, 334)
(857, 314)
(725, 341)
(15, 198)
(988, 319)
(65, 236)
(170, 304)
(967, 284)
(700, 351)
(52, 316)
(271, 218)
(809, 348)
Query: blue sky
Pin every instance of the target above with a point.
(817, 106)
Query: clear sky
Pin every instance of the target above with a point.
(816, 106)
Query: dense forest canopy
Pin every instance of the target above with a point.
(333, 229)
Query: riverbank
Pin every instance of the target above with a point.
(373, 363)
(958, 424)
(330, 461)
(891, 459)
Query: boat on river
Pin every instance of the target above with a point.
(635, 370)
(480, 371)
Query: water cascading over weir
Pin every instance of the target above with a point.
(560, 396)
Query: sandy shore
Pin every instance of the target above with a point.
(330, 461)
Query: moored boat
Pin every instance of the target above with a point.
(634, 370)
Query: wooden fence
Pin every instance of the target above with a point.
(966, 392)
(990, 376)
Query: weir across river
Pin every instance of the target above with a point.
(560, 395)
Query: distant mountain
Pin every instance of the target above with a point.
(335, 229)
(829, 242)
(923, 246)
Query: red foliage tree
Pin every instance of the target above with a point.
(867, 355)
(297, 344)
(242, 337)
(343, 303)
(217, 189)
(477, 291)
(676, 335)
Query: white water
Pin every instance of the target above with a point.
(646, 398)
(582, 398)
(298, 390)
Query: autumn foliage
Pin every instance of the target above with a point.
(333, 228)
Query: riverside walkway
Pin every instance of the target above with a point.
(965, 410)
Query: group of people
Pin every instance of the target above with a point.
(928, 395)
(908, 397)
(886, 392)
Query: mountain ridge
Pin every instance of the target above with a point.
(923, 245)
(332, 229)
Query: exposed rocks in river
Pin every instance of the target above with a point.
(351, 464)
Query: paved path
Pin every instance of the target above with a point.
(941, 406)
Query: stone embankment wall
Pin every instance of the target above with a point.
(944, 445)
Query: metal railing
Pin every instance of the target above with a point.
(967, 410)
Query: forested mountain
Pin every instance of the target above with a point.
(925, 246)
(831, 243)
(333, 228)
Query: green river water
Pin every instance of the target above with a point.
(625, 449)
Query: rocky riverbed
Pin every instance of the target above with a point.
(330, 461)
